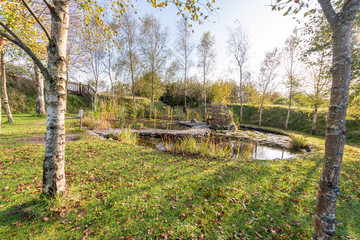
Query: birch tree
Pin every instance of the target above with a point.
(130, 39)
(3, 81)
(55, 74)
(94, 47)
(319, 81)
(207, 55)
(185, 48)
(266, 84)
(154, 51)
(340, 16)
(238, 46)
(291, 55)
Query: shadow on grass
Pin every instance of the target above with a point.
(36, 209)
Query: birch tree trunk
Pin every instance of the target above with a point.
(0, 111)
(289, 108)
(132, 80)
(260, 115)
(152, 95)
(329, 185)
(313, 128)
(95, 95)
(241, 97)
(4, 91)
(40, 99)
(288, 115)
(55, 86)
(204, 72)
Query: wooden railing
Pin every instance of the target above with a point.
(81, 89)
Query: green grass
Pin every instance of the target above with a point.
(117, 190)
(300, 119)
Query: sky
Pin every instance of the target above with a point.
(266, 28)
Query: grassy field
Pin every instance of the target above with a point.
(120, 191)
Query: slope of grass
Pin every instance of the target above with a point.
(300, 119)
(121, 191)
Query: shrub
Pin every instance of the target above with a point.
(298, 142)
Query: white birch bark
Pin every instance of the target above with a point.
(4, 91)
(40, 98)
(55, 86)
(329, 185)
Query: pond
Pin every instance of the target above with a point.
(198, 139)
(240, 149)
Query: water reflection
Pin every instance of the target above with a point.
(262, 152)
(241, 149)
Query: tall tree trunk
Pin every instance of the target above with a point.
(40, 99)
(152, 95)
(205, 93)
(95, 94)
(260, 115)
(55, 86)
(241, 98)
(185, 97)
(132, 81)
(289, 110)
(313, 128)
(4, 91)
(0, 111)
(329, 185)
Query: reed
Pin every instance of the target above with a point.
(208, 147)
(127, 136)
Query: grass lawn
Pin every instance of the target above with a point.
(120, 191)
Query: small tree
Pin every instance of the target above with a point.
(154, 51)
(93, 41)
(207, 55)
(221, 91)
(316, 57)
(185, 48)
(267, 76)
(129, 30)
(238, 46)
(291, 54)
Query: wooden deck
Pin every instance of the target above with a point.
(81, 89)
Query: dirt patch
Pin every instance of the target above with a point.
(41, 139)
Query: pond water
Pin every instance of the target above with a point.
(243, 149)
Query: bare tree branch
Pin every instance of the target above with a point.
(37, 19)
(48, 5)
(14, 39)
(51, 8)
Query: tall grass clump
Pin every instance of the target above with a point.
(122, 116)
(107, 115)
(127, 136)
(298, 142)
